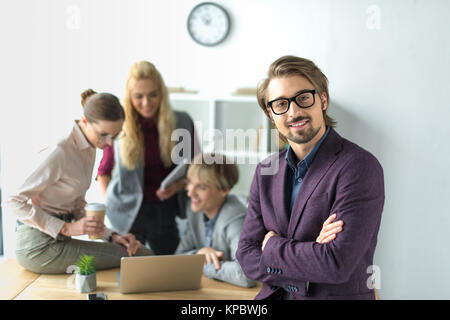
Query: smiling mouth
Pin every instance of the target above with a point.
(299, 124)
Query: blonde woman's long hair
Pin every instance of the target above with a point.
(132, 144)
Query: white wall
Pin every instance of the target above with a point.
(387, 62)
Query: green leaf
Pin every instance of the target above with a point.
(86, 265)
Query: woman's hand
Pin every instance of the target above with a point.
(329, 230)
(87, 225)
(129, 241)
(164, 194)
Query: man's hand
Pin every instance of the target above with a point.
(330, 230)
(267, 237)
(212, 256)
(87, 225)
(129, 241)
(164, 194)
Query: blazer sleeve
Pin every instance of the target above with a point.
(230, 271)
(359, 202)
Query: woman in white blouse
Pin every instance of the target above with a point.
(49, 206)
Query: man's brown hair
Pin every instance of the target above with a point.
(289, 66)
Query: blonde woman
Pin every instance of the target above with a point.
(49, 206)
(142, 159)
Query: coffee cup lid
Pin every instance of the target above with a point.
(95, 207)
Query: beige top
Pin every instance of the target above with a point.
(58, 186)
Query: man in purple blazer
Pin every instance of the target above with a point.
(318, 175)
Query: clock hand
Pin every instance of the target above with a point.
(207, 20)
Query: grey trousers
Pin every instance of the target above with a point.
(38, 252)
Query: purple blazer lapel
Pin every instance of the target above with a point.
(325, 157)
(278, 192)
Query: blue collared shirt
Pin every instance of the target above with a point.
(296, 174)
(209, 228)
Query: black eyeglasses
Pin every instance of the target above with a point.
(304, 99)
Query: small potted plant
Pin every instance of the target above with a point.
(85, 279)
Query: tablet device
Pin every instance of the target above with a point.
(179, 172)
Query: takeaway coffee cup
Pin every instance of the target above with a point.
(95, 210)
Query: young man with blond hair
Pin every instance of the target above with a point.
(214, 219)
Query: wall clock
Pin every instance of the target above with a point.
(208, 24)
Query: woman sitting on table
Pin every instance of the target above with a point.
(142, 159)
(50, 204)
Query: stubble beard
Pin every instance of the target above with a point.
(302, 137)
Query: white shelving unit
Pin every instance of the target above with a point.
(233, 125)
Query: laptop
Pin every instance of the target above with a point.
(160, 273)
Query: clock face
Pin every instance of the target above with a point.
(208, 24)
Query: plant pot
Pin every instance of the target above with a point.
(85, 284)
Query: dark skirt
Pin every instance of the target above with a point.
(156, 227)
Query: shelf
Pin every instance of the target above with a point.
(237, 118)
